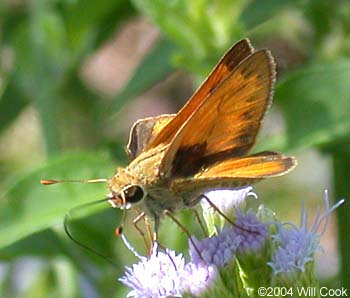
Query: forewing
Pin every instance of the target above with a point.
(143, 132)
(229, 61)
(227, 122)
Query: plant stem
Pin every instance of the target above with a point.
(341, 183)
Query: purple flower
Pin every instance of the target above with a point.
(166, 274)
(296, 246)
(216, 250)
(248, 234)
(253, 233)
(295, 249)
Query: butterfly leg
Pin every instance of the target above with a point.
(135, 222)
(212, 205)
(199, 220)
(155, 232)
(185, 230)
(148, 227)
(156, 228)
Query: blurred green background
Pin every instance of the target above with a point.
(75, 75)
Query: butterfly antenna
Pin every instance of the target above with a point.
(67, 218)
(51, 181)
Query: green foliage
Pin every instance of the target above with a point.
(202, 30)
(43, 47)
(316, 103)
(27, 207)
(257, 12)
(11, 104)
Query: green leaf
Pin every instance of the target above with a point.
(257, 11)
(42, 55)
(112, 21)
(12, 102)
(316, 104)
(44, 243)
(11, 17)
(89, 23)
(178, 23)
(42, 58)
(28, 207)
(154, 68)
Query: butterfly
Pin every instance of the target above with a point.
(176, 158)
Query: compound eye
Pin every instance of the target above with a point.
(134, 193)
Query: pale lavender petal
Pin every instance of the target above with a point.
(166, 274)
(228, 199)
(296, 245)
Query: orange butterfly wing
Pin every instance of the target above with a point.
(236, 172)
(226, 123)
(262, 165)
(229, 61)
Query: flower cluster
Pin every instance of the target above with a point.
(296, 247)
(237, 258)
(166, 274)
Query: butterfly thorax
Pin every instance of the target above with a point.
(141, 171)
